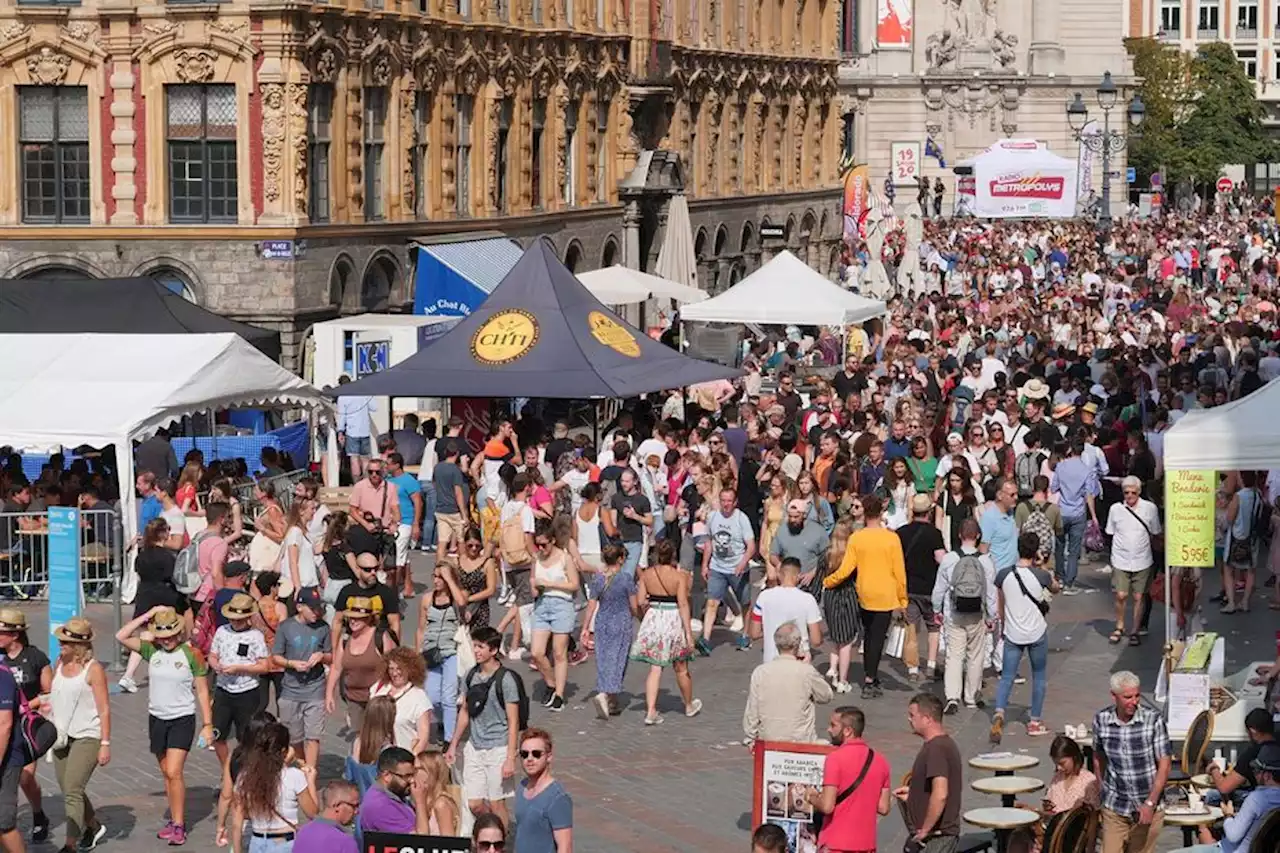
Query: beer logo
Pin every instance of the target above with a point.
(613, 334)
(505, 337)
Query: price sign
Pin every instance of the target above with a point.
(1191, 504)
(905, 157)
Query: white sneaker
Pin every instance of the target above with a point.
(127, 685)
(736, 625)
(694, 709)
(518, 653)
(602, 706)
(842, 687)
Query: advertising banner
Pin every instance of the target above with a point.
(1190, 504)
(894, 21)
(905, 157)
(1008, 187)
(784, 774)
(854, 206)
(1086, 158)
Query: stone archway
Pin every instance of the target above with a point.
(381, 281)
(609, 256)
(573, 256)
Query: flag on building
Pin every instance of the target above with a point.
(932, 149)
(857, 189)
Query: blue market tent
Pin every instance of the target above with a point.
(452, 279)
(540, 334)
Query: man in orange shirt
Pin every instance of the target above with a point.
(827, 447)
(875, 553)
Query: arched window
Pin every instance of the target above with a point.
(610, 255)
(54, 272)
(174, 281)
(573, 256)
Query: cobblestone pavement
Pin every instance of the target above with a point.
(685, 785)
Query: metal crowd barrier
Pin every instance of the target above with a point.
(24, 554)
(249, 506)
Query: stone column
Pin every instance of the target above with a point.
(1046, 53)
(631, 233)
(123, 136)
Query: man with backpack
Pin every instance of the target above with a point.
(965, 594)
(1027, 465)
(496, 710)
(1038, 515)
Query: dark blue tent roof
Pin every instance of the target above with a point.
(540, 334)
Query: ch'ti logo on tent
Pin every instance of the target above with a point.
(613, 334)
(505, 337)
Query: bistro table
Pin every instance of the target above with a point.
(1002, 822)
(1189, 822)
(1003, 763)
(1008, 787)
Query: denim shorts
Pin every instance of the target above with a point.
(719, 583)
(554, 614)
(356, 446)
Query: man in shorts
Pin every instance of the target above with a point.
(10, 764)
(724, 565)
(409, 494)
(453, 498)
(239, 655)
(1132, 524)
(489, 720)
(303, 649)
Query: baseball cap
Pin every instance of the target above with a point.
(235, 569)
(310, 596)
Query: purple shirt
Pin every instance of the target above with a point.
(382, 811)
(323, 836)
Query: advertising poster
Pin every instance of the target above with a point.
(1084, 168)
(905, 157)
(854, 205)
(894, 21)
(64, 569)
(1190, 507)
(784, 774)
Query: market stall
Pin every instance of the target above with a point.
(1018, 178)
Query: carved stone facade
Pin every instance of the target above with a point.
(271, 86)
(976, 71)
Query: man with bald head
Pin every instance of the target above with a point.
(784, 692)
(366, 585)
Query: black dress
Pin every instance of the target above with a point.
(155, 581)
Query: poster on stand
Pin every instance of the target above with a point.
(784, 774)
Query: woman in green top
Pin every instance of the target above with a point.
(923, 467)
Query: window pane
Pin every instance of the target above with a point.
(37, 113)
(38, 187)
(75, 182)
(221, 112)
(73, 114)
(223, 182)
(185, 113)
(375, 114)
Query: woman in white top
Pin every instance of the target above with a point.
(173, 515)
(555, 582)
(402, 674)
(270, 793)
(83, 716)
(300, 564)
(585, 544)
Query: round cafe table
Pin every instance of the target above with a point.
(1189, 822)
(1008, 787)
(1002, 821)
(1003, 765)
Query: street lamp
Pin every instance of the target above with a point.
(1109, 141)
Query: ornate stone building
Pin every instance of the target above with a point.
(276, 161)
(970, 72)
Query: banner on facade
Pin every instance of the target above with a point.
(905, 159)
(894, 21)
(1085, 158)
(857, 188)
(1190, 501)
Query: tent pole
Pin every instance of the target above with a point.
(595, 427)
(684, 389)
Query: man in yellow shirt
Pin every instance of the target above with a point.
(875, 554)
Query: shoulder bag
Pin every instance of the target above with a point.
(819, 818)
(1040, 604)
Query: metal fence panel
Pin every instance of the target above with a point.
(24, 554)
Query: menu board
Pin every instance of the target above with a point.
(1190, 505)
(784, 774)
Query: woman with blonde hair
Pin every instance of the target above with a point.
(840, 610)
(377, 732)
(186, 495)
(401, 675)
(300, 565)
(775, 510)
(82, 713)
(433, 775)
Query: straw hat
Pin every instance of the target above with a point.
(76, 630)
(1062, 411)
(241, 606)
(12, 619)
(166, 622)
(1035, 389)
(921, 503)
(360, 608)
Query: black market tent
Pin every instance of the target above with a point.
(114, 306)
(540, 334)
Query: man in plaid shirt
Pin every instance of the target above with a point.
(1132, 758)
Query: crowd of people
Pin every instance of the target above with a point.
(929, 480)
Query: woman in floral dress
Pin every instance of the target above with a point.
(609, 625)
(666, 636)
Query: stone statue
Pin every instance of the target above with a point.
(1004, 48)
(910, 280)
(875, 280)
(941, 49)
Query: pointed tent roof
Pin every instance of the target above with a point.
(539, 334)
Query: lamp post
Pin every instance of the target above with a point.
(1109, 141)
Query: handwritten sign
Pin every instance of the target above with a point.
(784, 775)
(1190, 501)
(905, 158)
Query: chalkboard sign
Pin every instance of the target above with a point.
(391, 842)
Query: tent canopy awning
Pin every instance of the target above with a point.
(619, 285)
(786, 291)
(121, 306)
(539, 334)
(1237, 436)
(451, 279)
(104, 389)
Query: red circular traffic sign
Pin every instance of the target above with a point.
(1224, 185)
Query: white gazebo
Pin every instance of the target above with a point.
(786, 291)
(619, 285)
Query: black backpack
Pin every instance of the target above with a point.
(476, 699)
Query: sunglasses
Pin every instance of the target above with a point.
(491, 845)
(542, 544)
(355, 807)
(532, 753)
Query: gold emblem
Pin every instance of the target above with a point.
(505, 337)
(613, 334)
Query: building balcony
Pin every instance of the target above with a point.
(1170, 35)
(1207, 35)
(1246, 34)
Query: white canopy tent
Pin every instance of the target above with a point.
(1019, 178)
(1237, 436)
(785, 291)
(73, 389)
(619, 285)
